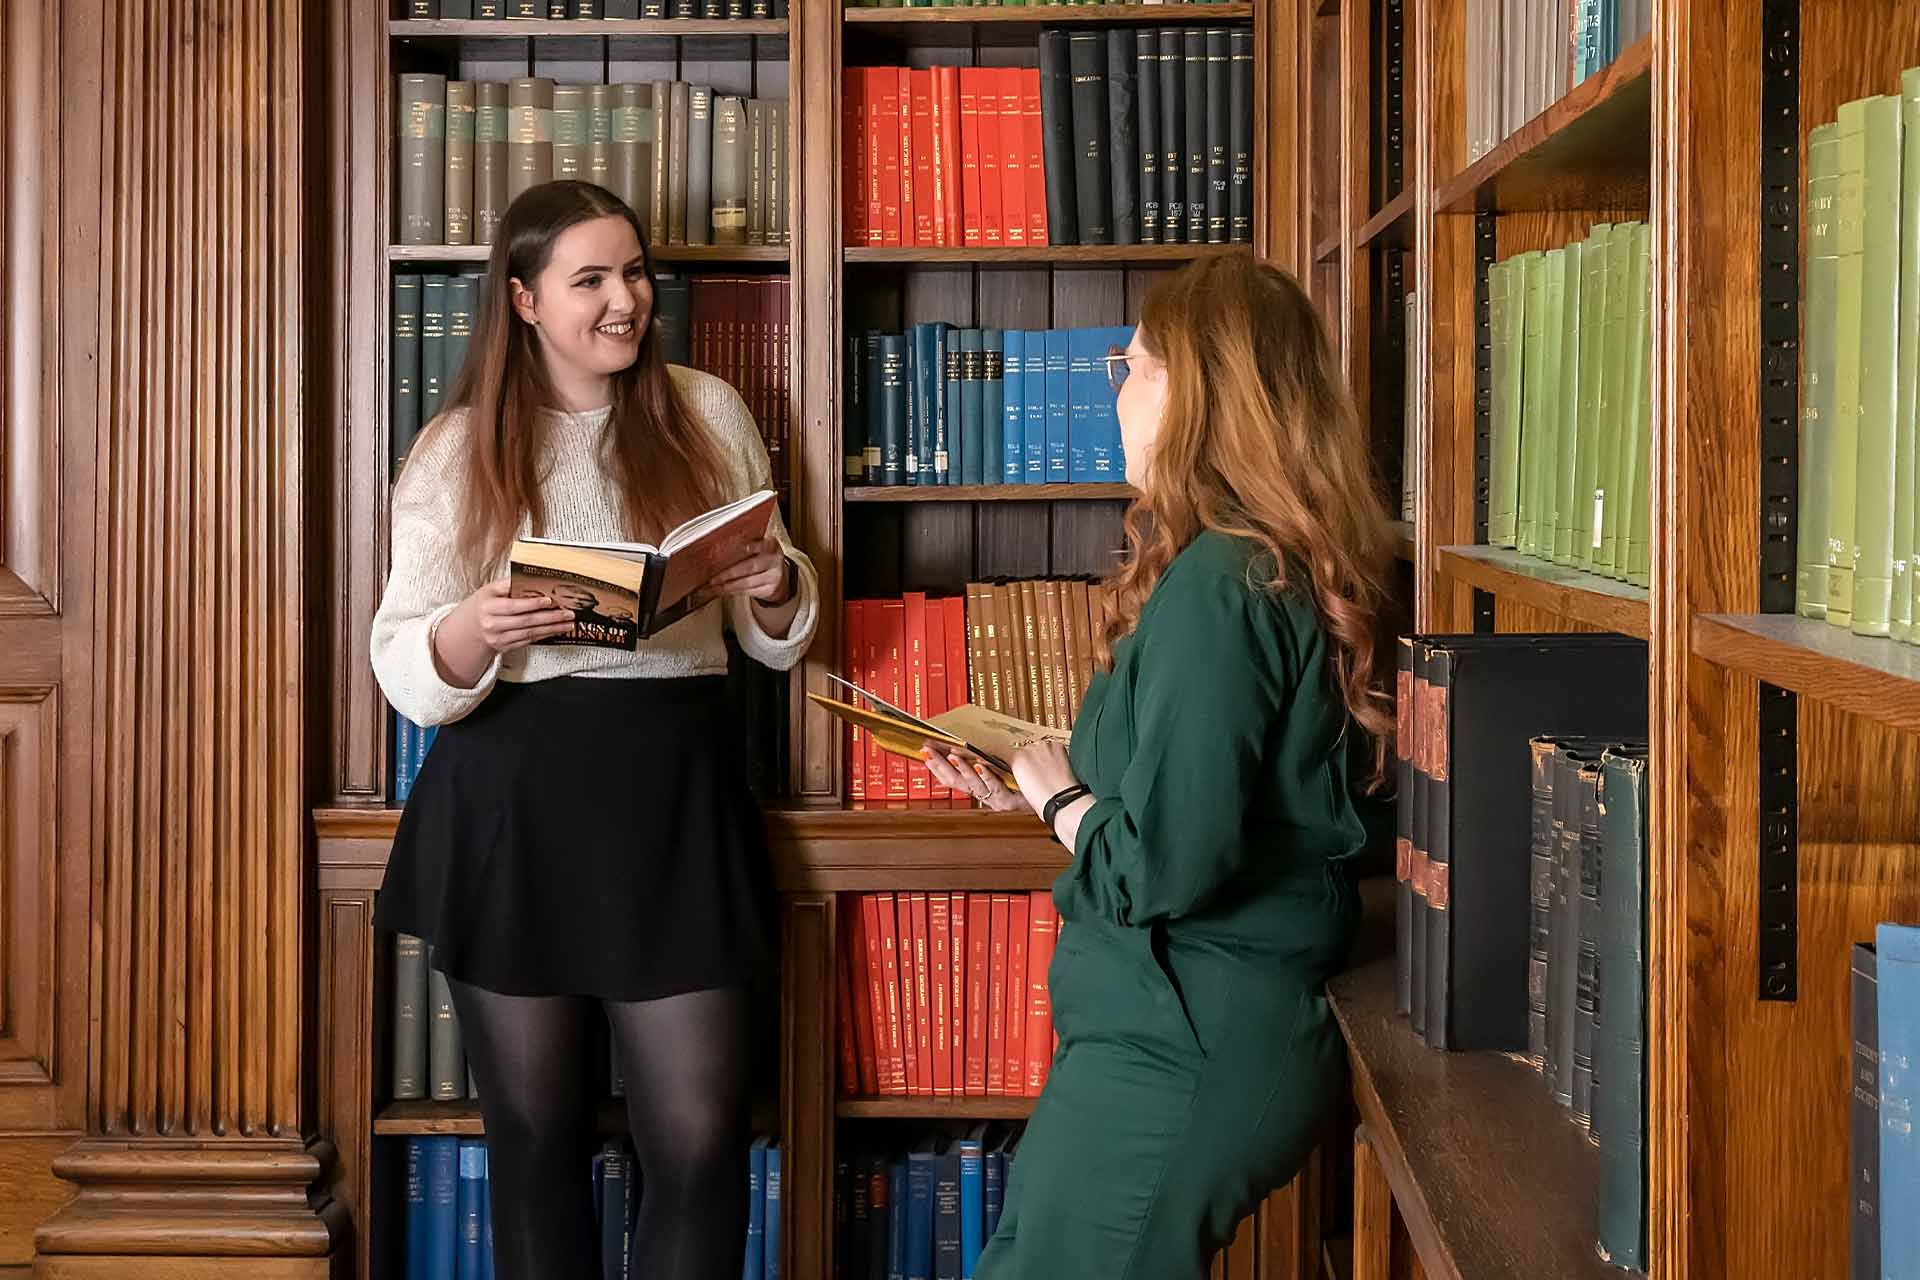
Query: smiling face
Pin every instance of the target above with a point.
(1140, 405)
(590, 307)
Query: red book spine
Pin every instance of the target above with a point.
(939, 153)
(909, 1013)
(893, 183)
(936, 623)
(926, 199)
(896, 1079)
(874, 100)
(1013, 152)
(922, 997)
(972, 231)
(1044, 925)
(1036, 166)
(866, 1058)
(979, 968)
(893, 631)
(903, 142)
(957, 998)
(875, 667)
(946, 87)
(784, 363)
(940, 942)
(986, 93)
(843, 1020)
(997, 998)
(856, 642)
(955, 608)
(919, 780)
(1016, 1050)
(853, 154)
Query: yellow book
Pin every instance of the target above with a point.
(989, 736)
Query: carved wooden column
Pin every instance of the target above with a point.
(182, 145)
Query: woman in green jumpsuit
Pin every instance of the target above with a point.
(1209, 796)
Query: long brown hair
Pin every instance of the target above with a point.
(665, 462)
(1260, 441)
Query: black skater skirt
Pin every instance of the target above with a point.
(583, 836)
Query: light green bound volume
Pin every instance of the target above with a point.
(1849, 212)
(1816, 371)
(1566, 452)
(1635, 566)
(1533, 397)
(1906, 507)
(1504, 303)
(1593, 312)
(1546, 455)
(1615, 419)
(1879, 354)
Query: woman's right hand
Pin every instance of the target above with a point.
(492, 621)
(969, 777)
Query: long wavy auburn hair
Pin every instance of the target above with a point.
(1260, 441)
(666, 464)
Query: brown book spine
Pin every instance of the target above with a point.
(421, 129)
(1035, 658)
(1042, 600)
(677, 169)
(570, 113)
(489, 159)
(1005, 653)
(630, 162)
(779, 230)
(1063, 603)
(1080, 619)
(600, 100)
(661, 223)
(977, 691)
(529, 134)
(699, 164)
(999, 689)
(756, 172)
(459, 180)
(853, 156)
(1056, 619)
(729, 170)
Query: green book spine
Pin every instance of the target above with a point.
(1593, 313)
(1843, 459)
(433, 345)
(404, 371)
(571, 125)
(463, 293)
(1614, 418)
(420, 128)
(1567, 451)
(1636, 565)
(1879, 355)
(1504, 303)
(1817, 371)
(1533, 396)
(1906, 515)
(1546, 488)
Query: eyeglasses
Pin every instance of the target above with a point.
(1117, 366)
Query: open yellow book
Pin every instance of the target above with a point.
(989, 736)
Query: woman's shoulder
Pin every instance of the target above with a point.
(1219, 579)
(709, 397)
(437, 457)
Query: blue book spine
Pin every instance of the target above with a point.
(926, 397)
(486, 1223)
(443, 1213)
(1609, 32)
(1013, 429)
(1059, 403)
(419, 1225)
(1033, 392)
(897, 1221)
(920, 1215)
(946, 1216)
(614, 1178)
(1897, 949)
(944, 439)
(399, 756)
(422, 740)
(954, 407)
(1084, 441)
(471, 1196)
(993, 1196)
(916, 423)
(1863, 1098)
(772, 1270)
(873, 454)
(973, 381)
(973, 1207)
(756, 1264)
(1109, 402)
(993, 405)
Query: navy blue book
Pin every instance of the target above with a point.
(673, 319)
(880, 1218)
(994, 1192)
(945, 466)
(419, 1226)
(486, 1224)
(616, 1203)
(1897, 952)
(1013, 403)
(1080, 402)
(920, 1179)
(953, 404)
(891, 402)
(946, 1215)
(1033, 394)
(1059, 404)
(471, 1199)
(927, 374)
(756, 1210)
(1863, 1090)
(972, 417)
(1115, 336)
(443, 1214)
(993, 405)
(916, 423)
(897, 1220)
(973, 1206)
(772, 1184)
(873, 458)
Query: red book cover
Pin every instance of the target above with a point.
(919, 780)
(1036, 166)
(940, 942)
(986, 94)
(979, 948)
(957, 990)
(1013, 158)
(1016, 1050)
(843, 1020)
(784, 363)
(874, 669)
(877, 79)
(926, 201)
(997, 997)
(936, 623)
(893, 183)
(853, 155)
(893, 684)
(955, 609)
(903, 942)
(895, 1080)
(939, 154)
(859, 995)
(903, 140)
(946, 88)
(1044, 924)
(856, 642)
(973, 232)
(922, 997)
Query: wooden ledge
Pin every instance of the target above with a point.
(1867, 675)
(1568, 593)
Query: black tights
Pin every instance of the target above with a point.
(684, 1060)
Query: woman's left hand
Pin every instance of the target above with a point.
(760, 573)
(1043, 771)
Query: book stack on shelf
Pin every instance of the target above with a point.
(407, 747)
(594, 10)
(923, 1207)
(1523, 56)
(944, 995)
(429, 1054)
(945, 405)
(1573, 403)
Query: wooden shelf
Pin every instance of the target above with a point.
(1590, 150)
(1867, 675)
(1066, 255)
(1017, 24)
(1392, 226)
(1493, 1179)
(1569, 593)
(598, 28)
(462, 1119)
(1405, 542)
(991, 493)
(718, 253)
(934, 1108)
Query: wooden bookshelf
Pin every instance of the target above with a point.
(1870, 676)
(934, 1108)
(1570, 594)
(1391, 226)
(596, 28)
(1061, 255)
(1405, 539)
(715, 254)
(1328, 250)
(462, 1119)
(992, 493)
(994, 25)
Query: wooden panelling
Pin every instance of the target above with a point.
(29, 1192)
(28, 876)
(29, 315)
(345, 1075)
(807, 1016)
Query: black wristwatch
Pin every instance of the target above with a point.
(1061, 799)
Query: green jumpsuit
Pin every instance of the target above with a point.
(1202, 913)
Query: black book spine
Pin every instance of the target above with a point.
(685, 9)
(433, 346)
(1439, 851)
(1423, 788)
(973, 374)
(1194, 43)
(1219, 133)
(1619, 1069)
(405, 368)
(853, 444)
(621, 8)
(1563, 924)
(1092, 174)
(1056, 132)
(1540, 892)
(1865, 1113)
(1404, 727)
(1173, 137)
(1146, 82)
(1586, 1007)
(557, 10)
(1240, 138)
(1123, 135)
(892, 397)
(873, 451)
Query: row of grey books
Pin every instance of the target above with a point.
(1521, 868)
(1523, 56)
(593, 10)
(697, 166)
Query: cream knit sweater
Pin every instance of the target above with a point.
(428, 578)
